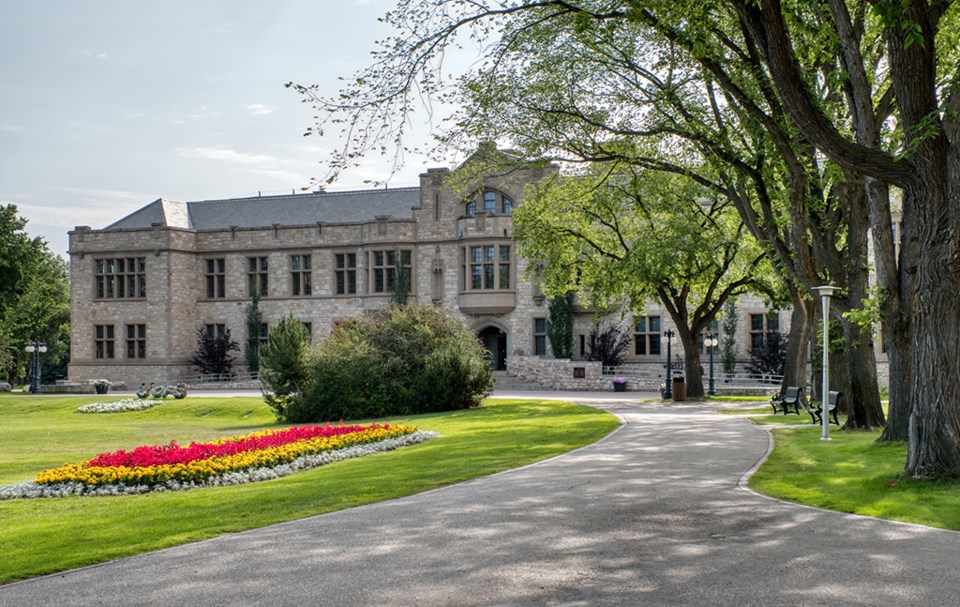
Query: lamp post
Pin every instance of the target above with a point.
(35, 349)
(669, 338)
(711, 342)
(826, 292)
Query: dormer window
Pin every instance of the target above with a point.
(491, 202)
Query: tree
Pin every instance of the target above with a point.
(560, 326)
(769, 357)
(620, 234)
(888, 119)
(283, 365)
(608, 344)
(212, 356)
(34, 298)
(254, 319)
(728, 345)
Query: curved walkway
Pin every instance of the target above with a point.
(652, 515)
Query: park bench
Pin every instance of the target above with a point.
(833, 400)
(790, 398)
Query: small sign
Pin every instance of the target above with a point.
(579, 372)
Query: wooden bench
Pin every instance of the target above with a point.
(833, 400)
(790, 398)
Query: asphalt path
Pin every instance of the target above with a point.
(654, 514)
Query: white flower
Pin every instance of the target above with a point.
(120, 406)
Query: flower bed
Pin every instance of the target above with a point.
(120, 406)
(226, 461)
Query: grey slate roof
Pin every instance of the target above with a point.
(265, 211)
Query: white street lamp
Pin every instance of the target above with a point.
(826, 292)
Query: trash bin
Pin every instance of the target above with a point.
(679, 389)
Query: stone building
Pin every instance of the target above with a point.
(143, 286)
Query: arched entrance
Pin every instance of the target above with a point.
(495, 340)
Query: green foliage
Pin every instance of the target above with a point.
(728, 346)
(560, 326)
(254, 319)
(212, 356)
(400, 290)
(283, 365)
(398, 361)
(34, 299)
(771, 357)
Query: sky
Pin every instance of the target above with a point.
(108, 105)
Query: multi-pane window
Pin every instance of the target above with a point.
(120, 277)
(264, 334)
(760, 325)
(215, 330)
(486, 267)
(136, 341)
(300, 281)
(346, 273)
(383, 270)
(539, 336)
(491, 202)
(103, 341)
(257, 282)
(216, 277)
(646, 336)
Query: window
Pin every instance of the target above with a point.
(486, 267)
(646, 336)
(216, 275)
(264, 334)
(346, 273)
(760, 325)
(136, 341)
(491, 202)
(120, 278)
(257, 276)
(308, 326)
(300, 281)
(103, 341)
(383, 270)
(215, 330)
(539, 336)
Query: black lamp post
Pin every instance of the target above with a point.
(35, 349)
(711, 342)
(669, 339)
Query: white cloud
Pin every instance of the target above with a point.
(259, 109)
(226, 155)
(220, 29)
(10, 128)
(100, 207)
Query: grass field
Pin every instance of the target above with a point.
(47, 535)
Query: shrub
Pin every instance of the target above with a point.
(608, 344)
(282, 363)
(402, 360)
(212, 356)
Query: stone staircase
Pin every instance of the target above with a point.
(502, 381)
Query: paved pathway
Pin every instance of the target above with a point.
(652, 515)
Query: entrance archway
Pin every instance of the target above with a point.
(495, 340)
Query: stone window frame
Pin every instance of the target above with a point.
(104, 342)
(382, 271)
(258, 275)
(345, 277)
(301, 274)
(215, 329)
(491, 200)
(114, 279)
(215, 277)
(136, 338)
(769, 322)
(646, 337)
(487, 263)
(539, 336)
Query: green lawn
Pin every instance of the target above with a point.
(47, 535)
(852, 473)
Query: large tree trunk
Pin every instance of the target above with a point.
(798, 340)
(861, 395)
(692, 371)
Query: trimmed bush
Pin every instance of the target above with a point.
(282, 361)
(402, 360)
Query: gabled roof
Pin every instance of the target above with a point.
(265, 211)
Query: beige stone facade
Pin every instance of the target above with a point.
(142, 287)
